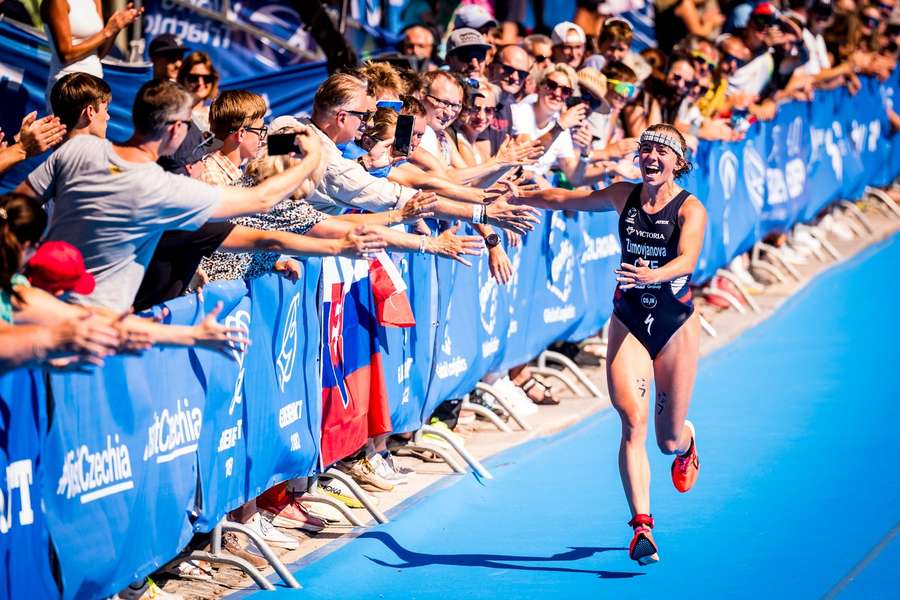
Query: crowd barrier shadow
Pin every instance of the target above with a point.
(412, 559)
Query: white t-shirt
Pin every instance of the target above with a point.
(523, 122)
(115, 211)
(817, 52)
(753, 77)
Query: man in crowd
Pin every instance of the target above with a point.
(166, 52)
(508, 71)
(418, 41)
(568, 44)
(467, 52)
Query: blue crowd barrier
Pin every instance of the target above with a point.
(129, 461)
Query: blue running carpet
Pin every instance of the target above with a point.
(798, 495)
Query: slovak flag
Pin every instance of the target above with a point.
(354, 396)
(391, 301)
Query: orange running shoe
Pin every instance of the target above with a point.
(642, 548)
(686, 466)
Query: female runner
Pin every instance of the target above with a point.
(653, 332)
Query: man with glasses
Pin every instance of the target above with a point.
(467, 53)
(540, 48)
(508, 71)
(236, 119)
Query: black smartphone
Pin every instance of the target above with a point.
(403, 134)
(282, 143)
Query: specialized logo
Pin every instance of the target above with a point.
(173, 434)
(648, 301)
(648, 322)
(631, 216)
(91, 475)
(239, 320)
(728, 168)
(754, 176)
(18, 477)
(288, 355)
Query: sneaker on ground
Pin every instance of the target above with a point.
(642, 548)
(270, 535)
(804, 238)
(518, 400)
(792, 256)
(232, 545)
(327, 513)
(384, 470)
(389, 458)
(364, 474)
(331, 490)
(291, 515)
(438, 440)
(149, 591)
(686, 467)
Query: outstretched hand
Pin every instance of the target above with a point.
(212, 335)
(454, 246)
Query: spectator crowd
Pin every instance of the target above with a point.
(101, 231)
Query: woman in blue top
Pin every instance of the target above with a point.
(654, 335)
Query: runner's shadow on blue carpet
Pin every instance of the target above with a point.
(493, 561)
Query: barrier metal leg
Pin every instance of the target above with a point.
(884, 198)
(263, 547)
(820, 255)
(581, 376)
(358, 492)
(548, 372)
(423, 445)
(820, 235)
(234, 561)
(489, 389)
(854, 210)
(339, 506)
(487, 413)
(707, 327)
(773, 251)
(740, 287)
(461, 450)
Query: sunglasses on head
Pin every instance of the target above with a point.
(509, 70)
(702, 58)
(623, 88)
(198, 77)
(552, 86)
(394, 105)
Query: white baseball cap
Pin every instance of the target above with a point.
(561, 31)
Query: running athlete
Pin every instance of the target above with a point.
(654, 335)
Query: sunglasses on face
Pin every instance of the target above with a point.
(731, 58)
(509, 70)
(762, 22)
(885, 8)
(870, 22)
(489, 111)
(195, 78)
(362, 115)
(704, 60)
(446, 104)
(467, 54)
(539, 58)
(623, 88)
(564, 90)
(676, 78)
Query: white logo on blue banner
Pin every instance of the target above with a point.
(795, 137)
(858, 133)
(728, 167)
(795, 173)
(776, 187)
(239, 320)
(832, 148)
(288, 355)
(754, 176)
(173, 434)
(94, 475)
(19, 476)
(562, 267)
(874, 134)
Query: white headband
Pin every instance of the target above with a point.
(658, 137)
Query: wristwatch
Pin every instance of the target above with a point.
(492, 240)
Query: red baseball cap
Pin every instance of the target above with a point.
(59, 267)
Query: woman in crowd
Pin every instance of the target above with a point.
(199, 77)
(78, 38)
(546, 117)
(654, 334)
(477, 113)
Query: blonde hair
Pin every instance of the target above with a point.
(383, 77)
(264, 166)
(563, 68)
